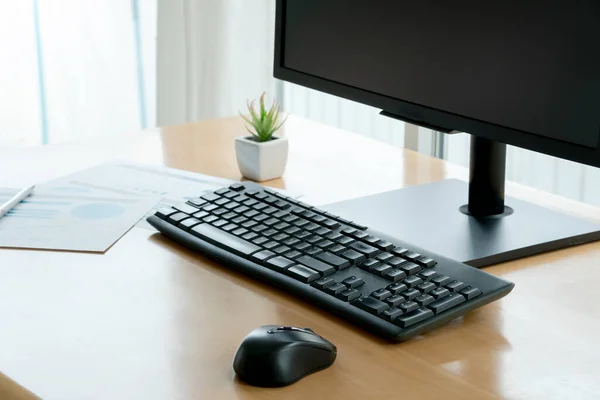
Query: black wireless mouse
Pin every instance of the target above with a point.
(272, 355)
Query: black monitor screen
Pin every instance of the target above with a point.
(532, 66)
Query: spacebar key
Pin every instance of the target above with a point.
(225, 240)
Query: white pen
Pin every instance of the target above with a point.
(17, 198)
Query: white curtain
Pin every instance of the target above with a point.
(213, 55)
(72, 69)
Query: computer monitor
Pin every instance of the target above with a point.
(525, 73)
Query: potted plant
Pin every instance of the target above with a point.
(262, 156)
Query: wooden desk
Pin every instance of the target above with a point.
(151, 320)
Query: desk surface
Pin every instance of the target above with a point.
(151, 320)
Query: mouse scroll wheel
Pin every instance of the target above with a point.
(292, 329)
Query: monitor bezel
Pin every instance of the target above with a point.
(430, 116)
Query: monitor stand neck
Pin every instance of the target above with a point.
(486, 179)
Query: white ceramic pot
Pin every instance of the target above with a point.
(261, 161)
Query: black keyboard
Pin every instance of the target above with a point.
(387, 286)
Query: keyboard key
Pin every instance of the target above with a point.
(344, 240)
(381, 294)
(303, 234)
(290, 218)
(270, 210)
(396, 288)
(260, 240)
(440, 280)
(302, 273)
(318, 218)
(250, 235)
(411, 255)
(201, 214)
(446, 303)
(281, 204)
(331, 224)
(252, 192)
(368, 265)
(413, 317)
(353, 256)
(250, 202)
(394, 300)
(428, 274)
(322, 231)
(411, 268)
(440, 292)
(322, 283)
(348, 295)
(308, 214)
(238, 220)
(384, 245)
(338, 262)
(426, 287)
(250, 224)
(470, 292)
(242, 209)
(211, 197)
(394, 275)
(338, 248)
(282, 226)
(349, 231)
(231, 205)
(301, 222)
(426, 261)
(290, 241)
(189, 223)
(198, 202)
(186, 208)
(210, 218)
(384, 256)
(371, 240)
(311, 227)
(220, 222)
(410, 294)
(279, 263)
(271, 199)
(313, 251)
(270, 232)
(256, 228)
(364, 248)
(317, 265)
(230, 215)
(353, 282)
(178, 217)
(413, 281)
(221, 211)
(399, 251)
(230, 195)
(335, 289)
(228, 227)
(424, 299)
(280, 237)
(292, 230)
(259, 206)
(261, 196)
(270, 245)
(238, 187)
(271, 221)
(314, 239)
(371, 305)
(381, 269)
(325, 244)
(221, 201)
(292, 255)
(334, 236)
(455, 286)
(391, 313)
(223, 239)
(281, 249)
(408, 306)
(396, 262)
(360, 235)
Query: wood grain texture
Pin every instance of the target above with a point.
(151, 320)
